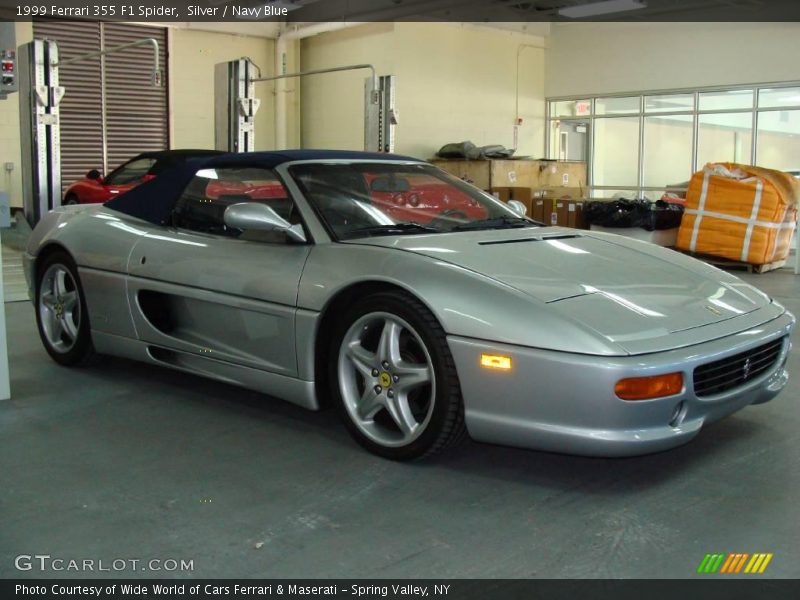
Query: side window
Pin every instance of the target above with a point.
(202, 205)
(132, 172)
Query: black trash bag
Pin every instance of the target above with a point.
(470, 151)
(617, 213)
(495, 151)
(459, 150)
(634, 213)
(663, 215)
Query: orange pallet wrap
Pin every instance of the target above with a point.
(740, 212)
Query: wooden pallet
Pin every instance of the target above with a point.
(725, 263)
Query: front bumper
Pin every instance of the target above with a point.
(565, 402)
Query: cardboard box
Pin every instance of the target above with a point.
(502, 193)
(559, 212)
(575, 215)
(524, 195)
(537, 209)
(554, 212)
(563, 174)
(563, 192)
(562, 212)
(523, 173)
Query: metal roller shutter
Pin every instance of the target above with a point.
(133, 110)
(136, 111)
(82, 106)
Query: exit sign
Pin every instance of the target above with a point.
(583, 108)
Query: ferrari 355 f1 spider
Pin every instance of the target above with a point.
(421, 307)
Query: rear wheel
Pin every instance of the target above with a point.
(394, 378)
(61, 314)
(70, 199)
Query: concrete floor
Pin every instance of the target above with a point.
(123, 460)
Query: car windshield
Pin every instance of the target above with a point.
(365, 199)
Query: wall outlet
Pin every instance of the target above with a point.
(8, 167)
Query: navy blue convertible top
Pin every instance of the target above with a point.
(153, 201)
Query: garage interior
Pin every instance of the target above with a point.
(122, 459)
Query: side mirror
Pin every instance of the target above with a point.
(518, 207)
(255, 215)
(94, 174)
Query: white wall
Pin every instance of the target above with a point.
(193, 55)
(9, 132)
(597, 58)
(453, 83)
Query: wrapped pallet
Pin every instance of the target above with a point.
(742, 213)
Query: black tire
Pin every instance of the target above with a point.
(445, 427)
(70, 199)
(81, 351)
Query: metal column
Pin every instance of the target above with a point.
(380, 115)
(39, 97)
(235, 105)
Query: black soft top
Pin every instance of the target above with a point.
(153, 201)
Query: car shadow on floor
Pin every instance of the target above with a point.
(602, 476)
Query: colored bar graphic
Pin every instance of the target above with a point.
(740, 564)
(701, 568)
(765, 563)
(728, 563)
(734, 562)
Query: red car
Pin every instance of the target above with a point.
(416, 198)
(422, 199)
(95, 188)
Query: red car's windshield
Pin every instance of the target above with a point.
(357, 200)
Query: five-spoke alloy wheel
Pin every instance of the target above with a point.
(395, 379)
(61, 311)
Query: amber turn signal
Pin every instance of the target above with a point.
(496, 361)
(645, 388)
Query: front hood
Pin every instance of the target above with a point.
(624, 289)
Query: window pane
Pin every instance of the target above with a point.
(669, 103)
(615, 106)
(779, 140)
(570, 108)
(133, 172)
(779, 97)
(670, 194)
(202, 205)
(603, 194)
(616, 151)
(725, 138)
(729, 100)
(667, 150)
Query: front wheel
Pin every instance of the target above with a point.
(394, 378)
(71, 199)
(61, 314)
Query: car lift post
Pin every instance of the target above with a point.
(235, 105)
(39, 97)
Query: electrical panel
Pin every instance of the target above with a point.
(8, 59)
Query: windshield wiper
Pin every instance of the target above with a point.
(503, 222)
(393, 229)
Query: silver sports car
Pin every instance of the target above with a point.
(420, 307)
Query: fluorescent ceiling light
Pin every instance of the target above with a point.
(606, 7)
